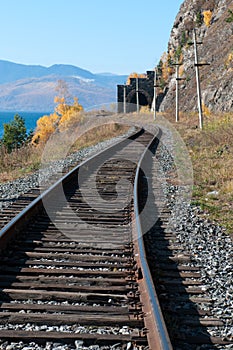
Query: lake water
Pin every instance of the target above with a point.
(29, 117)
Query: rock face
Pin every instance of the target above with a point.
(217, 49)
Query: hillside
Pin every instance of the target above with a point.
(216, 49)
(32, 88)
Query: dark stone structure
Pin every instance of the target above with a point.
(145, 89)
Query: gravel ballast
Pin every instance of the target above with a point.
(209, 245)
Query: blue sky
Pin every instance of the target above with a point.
(118, 36)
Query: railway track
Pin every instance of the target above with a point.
(72, 272)
(181, 287)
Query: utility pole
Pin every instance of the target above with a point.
(196, 64)
(155, 94)
(124, 100)
(137, 95)
(177, 89)
(177, 92)
(177, 64)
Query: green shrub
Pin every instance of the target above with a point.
(230, 18)
(199, 18)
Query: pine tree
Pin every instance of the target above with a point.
(15, 133)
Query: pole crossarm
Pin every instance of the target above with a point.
(200, 64)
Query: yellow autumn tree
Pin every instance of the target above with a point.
(167, 69)
(64, 117)
(229, 60)
(71, 115)
(62, 98)
(68, 112)
(134, 75)
(61, 107)
(207, 17)
(46, 126)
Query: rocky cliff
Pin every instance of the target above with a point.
(213, 20)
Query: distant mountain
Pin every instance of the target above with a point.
(32, 87)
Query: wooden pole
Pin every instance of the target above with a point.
(196, 63)
(177, 92)
(137, 95)
(155, 95)
(124, 101)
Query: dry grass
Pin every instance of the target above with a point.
(19, 162)
(99, 134)
(27, 159)
(211, 151)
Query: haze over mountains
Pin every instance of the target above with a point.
(33, 87)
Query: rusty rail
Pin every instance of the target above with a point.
(158, 337)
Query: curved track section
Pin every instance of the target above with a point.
(69, 273)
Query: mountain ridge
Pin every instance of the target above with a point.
(33, 87)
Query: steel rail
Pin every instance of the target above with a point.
(158, 337)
